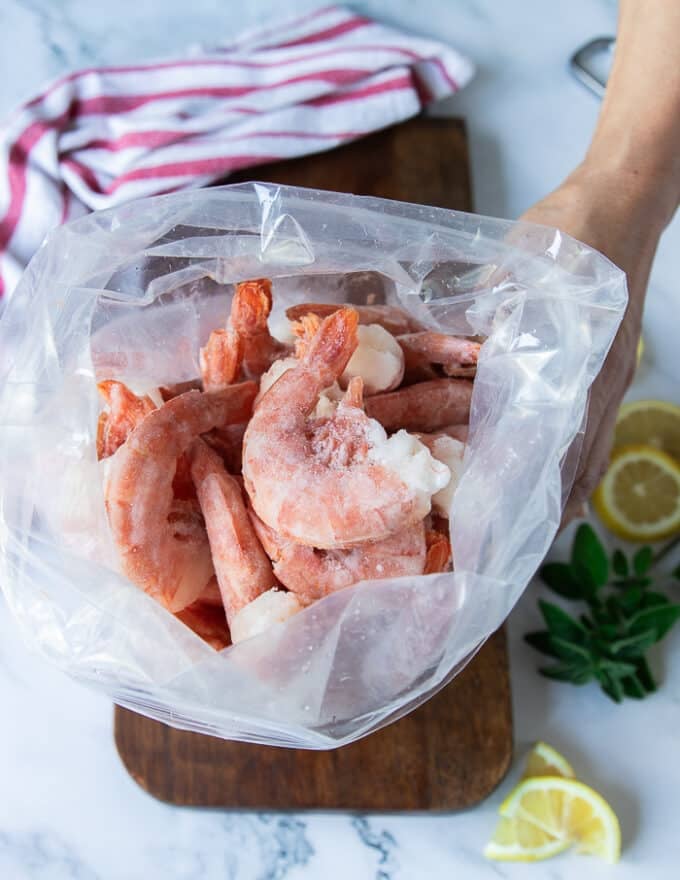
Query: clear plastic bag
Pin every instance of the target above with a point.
(131, 293)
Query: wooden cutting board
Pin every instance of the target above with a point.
(451, 752)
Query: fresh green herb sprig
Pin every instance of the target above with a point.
(625, 617)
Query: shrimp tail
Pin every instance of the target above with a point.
(251, 306)
(220, 359)
(333, 345)
(305, 329)
(354, 396)
(438, 553)
(125, 412)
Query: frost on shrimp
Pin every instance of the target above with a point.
(164, 549)
(241, 565)
(449, 451)
(274, 606)
(336, 481)
(312, 573)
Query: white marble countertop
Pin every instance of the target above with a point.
(67, 807)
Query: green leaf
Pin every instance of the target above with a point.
(588, 553)
(586, 621)
(614, 609)
(615, 668)
(566, 672)
(633, 687)
(561, 624)
(560, 578)
(635, 645)
(542, 642)
(570, 652)
(625, 583)
(612, 687)
(631, 600)
(620, 563)
(676, 573)
(642, 560)
(644, 675)
(659, 618)
(653, 600)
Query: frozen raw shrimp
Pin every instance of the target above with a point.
(250, 310)
(457, 356)
(339, 480)
(312, 574)
(426, 406)
(220, 359)
(438, 552)
(241, 565)
(125, 411)
(269, 608)
(164, 549)
(392, 318)
(208, 621)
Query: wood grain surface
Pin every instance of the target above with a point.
(451, 752)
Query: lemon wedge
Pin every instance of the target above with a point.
(544, 760)
(649, 422)
(639, 497)
(547, 814)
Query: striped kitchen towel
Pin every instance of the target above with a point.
(102, 136)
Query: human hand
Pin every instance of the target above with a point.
(620, 199)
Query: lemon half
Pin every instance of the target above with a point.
(639, 497)
(649, 422)
(545, 815)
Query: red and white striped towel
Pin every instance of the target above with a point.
(99, 137)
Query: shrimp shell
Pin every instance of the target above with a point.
(241, 565)
(312, 573)
(452, 352)
(220, 359)
(125, 411)
(160, 551)
(392, 318)
(250, 310)
(312, 480)
(426, 406)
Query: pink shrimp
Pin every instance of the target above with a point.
(312, 574)
(426, 406)
(243, 570)
(392, 318)
(208, 621)
(164, 549)
(325, 482)
(458, 432)
(125, 411)
(453, 353)
(220, 359)
(250, 309)
(438, 555)
(228, 444)
(167, 392)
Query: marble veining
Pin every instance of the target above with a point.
(68, 810)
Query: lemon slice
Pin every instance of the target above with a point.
(544, 760)
(547, 814)
(639, 497)
(651, 422)
(518, 841)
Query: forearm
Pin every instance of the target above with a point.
(637, 139)
(626, 190)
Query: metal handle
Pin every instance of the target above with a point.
(584, 66)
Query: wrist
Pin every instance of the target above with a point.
(638, 171)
